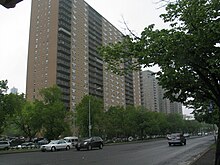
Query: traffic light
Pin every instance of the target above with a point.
(9, 3)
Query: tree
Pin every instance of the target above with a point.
(96, 107)
(191, 126)
(52, 113)
(163, 124)
(3, 90)
(175, 122)
(27, 120)
(115, 122)
(187, 53)
(130, 125)
(13, 105)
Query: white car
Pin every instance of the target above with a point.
(56, 145)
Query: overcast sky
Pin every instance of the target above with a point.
(14, 31)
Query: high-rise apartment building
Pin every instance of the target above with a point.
(150, 91)
(153, 95)
(63, 42)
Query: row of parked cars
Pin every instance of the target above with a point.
(61, 144)
(5, 145)
(73, 142)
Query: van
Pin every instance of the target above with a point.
(71, 139)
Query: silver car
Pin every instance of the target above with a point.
(56, 145)
(4, 145)
(176, 138)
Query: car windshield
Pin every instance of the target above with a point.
(87, 140)
(54, 142)
(175, 135)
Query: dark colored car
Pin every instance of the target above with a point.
(28, 145)
(90, 143)
(176, 138)
(42, 142)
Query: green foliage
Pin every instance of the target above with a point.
(121, 122)
(13, 103)
(47, 117)
(10, 104)
(3, 89)
(193, 126)
(210, 117)
(27, 120)
(51, 95)
(175, 122)
(187, 53)
(82, 115)
(52, 113)
(115, 118)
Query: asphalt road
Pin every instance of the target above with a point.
(147, 153)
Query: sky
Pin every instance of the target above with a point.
(15, 23)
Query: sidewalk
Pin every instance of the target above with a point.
(207, 158)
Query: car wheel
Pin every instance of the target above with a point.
(185, 143)
(101, 146)
(78, 149)
(169, 144)
(67, 147)
(89, 147)
(53, 149)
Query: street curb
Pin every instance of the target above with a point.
(18, 151)
(200, 155)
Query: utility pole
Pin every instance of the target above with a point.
(90, 127)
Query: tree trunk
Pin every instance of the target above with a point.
(217, 154)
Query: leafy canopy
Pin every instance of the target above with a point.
(53, 112)
(96, 107)
(188, 53)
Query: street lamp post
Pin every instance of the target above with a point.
(90, 126)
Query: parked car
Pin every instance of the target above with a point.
(16, 141)
(186, 135)
(90, 143)
(71, 139)
(176, 138)
(200, 134)
(56, 145)
(42, 142)
(4, 145)
(28, 145)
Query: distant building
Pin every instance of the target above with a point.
(153, 95)
(176, 107)
(150, 91)
(14, 90)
